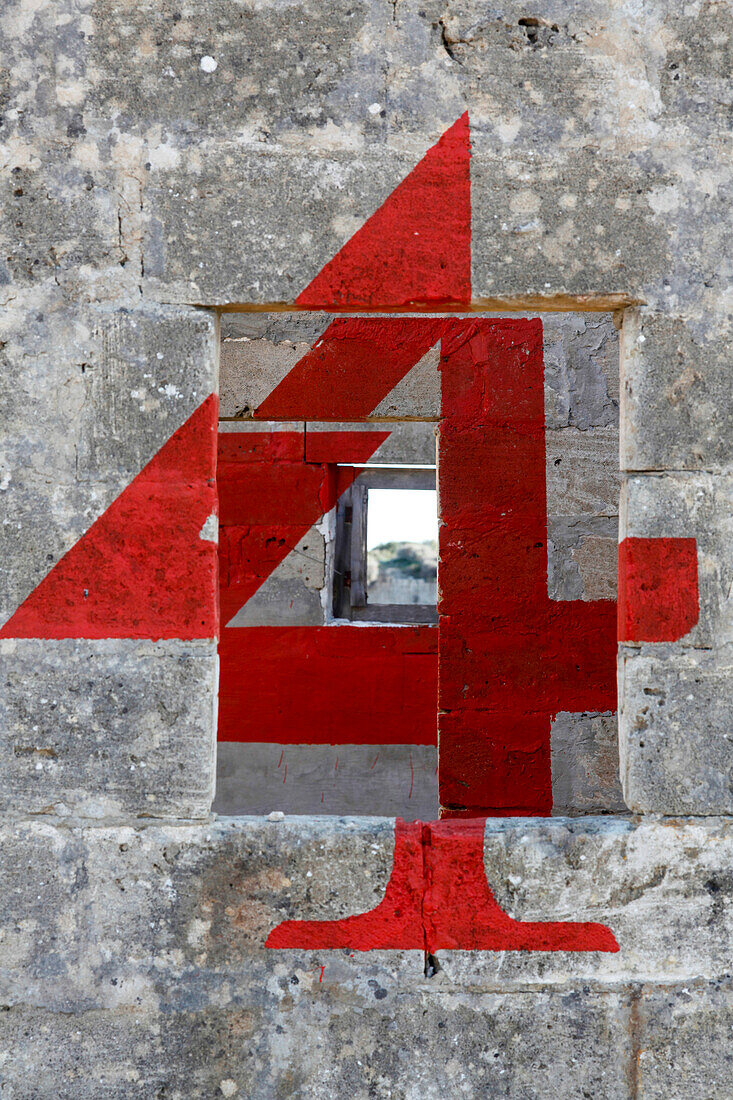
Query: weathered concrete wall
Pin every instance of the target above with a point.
(165, 156)
(194, 1004)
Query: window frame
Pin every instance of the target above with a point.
(350, 553)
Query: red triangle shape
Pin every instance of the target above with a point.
(142, 570)
(416, 248)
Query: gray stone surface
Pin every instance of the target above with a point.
(175, 916)
(584, 756)
(676, 729)
(389, 780)
(131, 954)
(691, 505)
(523, 1045)
(577, 190)
(107, 728)
(684, 1042)
(582, 558)
(409, 443)
(581, 352)
(678, 412)
(134, 178)
(583, 476)
(87, 397)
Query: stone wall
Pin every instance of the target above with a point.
(162, 163)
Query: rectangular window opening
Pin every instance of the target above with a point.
(386, 567)
(402, 546)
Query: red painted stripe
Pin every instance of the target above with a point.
(355, 685)
(142, 569)
(416, 248)
(351, 368)
(332, 447)
(658, 589)
(510, 658)
(438, 899)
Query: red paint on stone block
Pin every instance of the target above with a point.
(351, 368)
(334, 446)
(438, 899)
(510, 658)
(143, 569)
(269, 498)
(416, 248)
(658, 599)
(329, 685)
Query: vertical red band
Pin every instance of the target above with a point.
(509, 657)
(658, 599)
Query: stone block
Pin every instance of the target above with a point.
(582, 558)
(583, 477)
(388, 780)
(251, 369)
(303, 1042)
(678, 413)
(584, 759)
(176, 916)
(676, 730)
(91, 392)
(88, 395)
(699, 506)
(683, 1042)
(581, 353)
(409, 443)
(107, 728)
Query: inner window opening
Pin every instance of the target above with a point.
(386, 556)
(402, 546)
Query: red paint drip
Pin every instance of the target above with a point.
(658, 599)
(437, 898)
(142, 570)
(416, 248)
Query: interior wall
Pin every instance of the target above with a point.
(346, 722)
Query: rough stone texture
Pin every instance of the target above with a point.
(698, 506)
(678, 413)
(107, 728)
(394, 780)
(502, 1046)
(133, 179)
(410, 443)
(684, 1042)
(676, 700)
(196, 903)
(676, 729)
(584, 756)
(87, 397)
